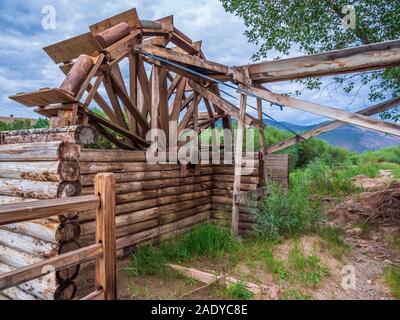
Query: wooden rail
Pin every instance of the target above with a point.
(104, 250)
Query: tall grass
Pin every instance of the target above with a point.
(205, 240)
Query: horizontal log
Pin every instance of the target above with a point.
(113, 34)
(229, 186)
(74, 134)
(96, 167)
(39, 189)
(16, 293)
(40, 151)
(28, 244)
(10, 200)
(32, 271)
(46, 230)
(20, 212)
(16, 258)
(152, 233)
(38, 287)
(76, 76)
(141, 208)
(91, 155)
(56, 171)
(363, 58)
(87, 180)
(229, 178)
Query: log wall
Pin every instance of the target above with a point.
(31, 171)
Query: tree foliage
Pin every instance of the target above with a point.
(316, 26)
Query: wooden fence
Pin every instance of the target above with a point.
(103, 250)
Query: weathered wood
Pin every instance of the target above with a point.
(27, 244)
(46, 230)
(270, 291)
(182, 58)
(130, 17)
(39, 189)
(56, 171)
(44, 97)
(96, 167)
(92, 155)
(364, 58)
(238, 164)
(20, 212)
(72, 48)
(39, 151)
(77, 74)
(75, 134)
(106, 276)
(337, 114)
(381, 107)
(113, 34)
(33, 270)
(243, 197)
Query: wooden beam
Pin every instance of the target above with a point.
(381, 107)
(132, 109)
(183, 58)
(224, 105)
(117, 128)
(155, 97)
(176, 107)
(329, 112)
(113, 139)
(369, 57)
(114, 101)
(238, 164)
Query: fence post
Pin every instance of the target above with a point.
(106, 275)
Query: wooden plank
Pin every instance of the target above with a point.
(129, 16)
(36, 270)
(155, 97)
(72, 48)
(97, 64)
(182, 58)
(381, 107)
(106, 269)
(176, 107)
(337, 114)
(238, 164)
(44, 97)
(368, 57)
(243, 197)
(26, 211)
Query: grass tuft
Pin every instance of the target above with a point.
(239, 291)
(333, 240)
(205, 240)
(392, 277)
(307, 269)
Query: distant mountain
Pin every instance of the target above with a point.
(349, 137)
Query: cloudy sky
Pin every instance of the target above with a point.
(25, 67)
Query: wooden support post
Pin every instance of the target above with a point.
(106, 276)
(263, 168)
(238, 164)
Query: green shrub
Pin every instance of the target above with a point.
(239, 291)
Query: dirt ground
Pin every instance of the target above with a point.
(370, 249)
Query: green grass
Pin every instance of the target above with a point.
(332, 239)
(308, 270)
(392, 277)
(294, 294)
(274, 265)
(205, 240)
(239, 291)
